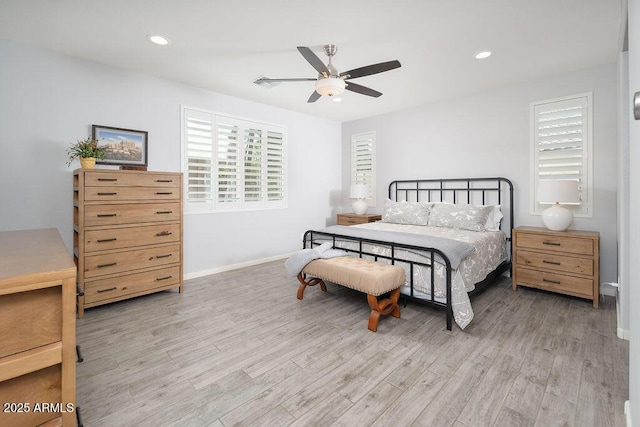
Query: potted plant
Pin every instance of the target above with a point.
(87, 151)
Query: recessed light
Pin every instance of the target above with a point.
(482, 55)
(334, 99)
(157, 39)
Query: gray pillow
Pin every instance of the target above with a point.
(413, 213)
(467, 217)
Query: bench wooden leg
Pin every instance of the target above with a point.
(384, 306)
(312, 282)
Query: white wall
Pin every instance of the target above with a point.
(48, 101)
(623, 195)
(488, 135)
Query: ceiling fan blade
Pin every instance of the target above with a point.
(314, 97)
(362, 90)
(301, 79)
(371, 69)
(313, 59)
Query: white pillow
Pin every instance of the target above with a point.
(413, 213)
(494, 219)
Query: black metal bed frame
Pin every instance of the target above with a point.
(481, 191)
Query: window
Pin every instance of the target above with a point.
(231, 163)
(363, 162)
(561, 148)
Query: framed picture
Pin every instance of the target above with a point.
(124, 147)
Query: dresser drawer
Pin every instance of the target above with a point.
(130, 193)
(30, 319)
(116, 238)
(562, 244)
(102, 179)
(115, 287)
(131, 213)
(555, 282)
(556, 262)
(118, 262)
(36, 387)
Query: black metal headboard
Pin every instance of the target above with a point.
(468, 191)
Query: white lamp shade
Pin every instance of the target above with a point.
(330, 86)
(359, 191)
(558, 191)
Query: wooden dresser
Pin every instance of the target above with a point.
(352, 219)
(37, 329)
(566, 262)
(127, 234)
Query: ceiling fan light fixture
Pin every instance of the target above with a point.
(331, 86)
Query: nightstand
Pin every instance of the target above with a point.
(566, 262)
(352, 219)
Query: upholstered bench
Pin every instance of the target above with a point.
(372, 278)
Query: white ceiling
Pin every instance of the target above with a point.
(224, 45)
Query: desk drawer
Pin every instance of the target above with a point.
(115, 287)
(118, 262)
(555, 262)
(555, 282)
(116, 238)
(30, 319)
(131, 213)
(563, 244)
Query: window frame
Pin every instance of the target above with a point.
(214, 204)
(584, 209)
(354, 179)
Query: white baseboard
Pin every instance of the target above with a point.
(217, 270)
(627, 412)
(622, 333)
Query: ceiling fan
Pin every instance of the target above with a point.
(330, 82)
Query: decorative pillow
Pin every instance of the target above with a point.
(467, 217)
(413, 213)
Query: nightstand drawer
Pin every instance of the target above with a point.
(555, 262)
(562, 244)
(570, 285)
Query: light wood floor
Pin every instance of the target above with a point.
(238, 348)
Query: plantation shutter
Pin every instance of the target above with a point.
(275, 167)
(232, 164)
(561, 142)
(363, 160)
(228, 164)
(198, 135)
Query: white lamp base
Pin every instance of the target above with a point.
(359, 206)
(557, 218)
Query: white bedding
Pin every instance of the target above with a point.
(490, 251)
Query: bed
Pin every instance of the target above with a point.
(452, 237)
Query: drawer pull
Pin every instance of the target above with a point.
(555, 282)
(164, 233)
(106, 215)
(163, 278)
(550, 262)
(111, 264)
(107, 194)
(80, 359)
(107, 290)
(79, 291)
(164, 180)
(163, 256)
(547, 242)
(108, 179)
(164, 212)
(113, 239)
(164, 193)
